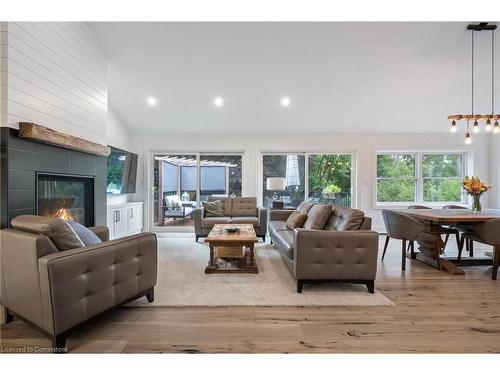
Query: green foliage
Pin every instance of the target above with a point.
(325, 170)
(441, 174)
(332, 188)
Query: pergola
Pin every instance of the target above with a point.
(185, 161)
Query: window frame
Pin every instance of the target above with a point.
(419, 178)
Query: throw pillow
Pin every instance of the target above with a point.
(304, 207)
(213, 208)
(58, 230)
(296, 220)
(85, 234)
(318, 216)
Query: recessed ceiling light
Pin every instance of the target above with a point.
(152, 101)
(218, 101)
(285, 101)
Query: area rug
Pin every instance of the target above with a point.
(182, 282)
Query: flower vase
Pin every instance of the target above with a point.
(476, 204)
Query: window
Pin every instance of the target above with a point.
(396, 180)
(420, 177)
(322, 178)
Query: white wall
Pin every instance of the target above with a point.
(494, 194)
(365, 147)
(3, 73)
(56, 77)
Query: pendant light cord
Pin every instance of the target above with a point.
(472, 74)
(492, 72)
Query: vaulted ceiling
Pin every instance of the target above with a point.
(340, 77)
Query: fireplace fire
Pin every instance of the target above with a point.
(68, 197)
(64, 214)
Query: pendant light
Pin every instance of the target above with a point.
(488, 119)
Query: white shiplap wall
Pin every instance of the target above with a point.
(3, 73)
(56, 77)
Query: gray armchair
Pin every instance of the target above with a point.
(57, 291)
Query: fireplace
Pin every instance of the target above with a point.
(69, 197)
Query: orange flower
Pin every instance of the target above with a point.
(474, 186)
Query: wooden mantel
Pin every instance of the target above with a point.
(42, 134)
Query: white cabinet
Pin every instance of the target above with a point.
(124, 219)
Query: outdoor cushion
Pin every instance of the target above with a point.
(344, 218)
(304, 207)
(296, 220)
(318, 216)
(88, 237)
(244, 206)
(246, 220)
(173, 201)
(283, 239)
(209, 222)
(213, 208)
(58, 230)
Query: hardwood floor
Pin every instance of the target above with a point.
(434, 312)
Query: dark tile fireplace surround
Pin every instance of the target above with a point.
(31, 171)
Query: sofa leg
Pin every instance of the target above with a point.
(7, 316)
(263, 238)
(151, 295)
(197, 238)
(300, 285)
(370, 285)
(59, 342)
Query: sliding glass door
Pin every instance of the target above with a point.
(291, 178)
(283, 179)
(182, 181)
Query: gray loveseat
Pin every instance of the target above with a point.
(344, 250)
(239, 210)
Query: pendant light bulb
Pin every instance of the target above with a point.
(468, 139)
(496, 128)
(488, 126)
(475, 127)
(453, 127)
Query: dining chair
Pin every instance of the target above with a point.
(487, 233)
(469, 244)
(403, 227)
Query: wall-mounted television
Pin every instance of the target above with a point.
(122, 172)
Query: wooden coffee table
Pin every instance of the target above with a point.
(219, 237)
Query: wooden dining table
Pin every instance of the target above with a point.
(436, 218)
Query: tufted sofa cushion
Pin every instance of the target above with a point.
(244, 206)
(343, 218)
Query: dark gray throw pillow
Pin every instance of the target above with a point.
(88, 237)
(213, 208)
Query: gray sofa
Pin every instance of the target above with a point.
(58, 290)
(345, 250)
(239, 210)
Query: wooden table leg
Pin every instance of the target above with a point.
(252, 257)
(212, 251)
(496, 262)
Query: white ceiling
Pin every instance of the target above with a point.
(341, 77)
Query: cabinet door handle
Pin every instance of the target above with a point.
(118, 216)
(131, 213)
